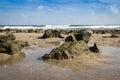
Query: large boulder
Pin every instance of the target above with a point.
(68, 50)
(51, 34)
(84, 35)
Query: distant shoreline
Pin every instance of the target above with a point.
(67, 27)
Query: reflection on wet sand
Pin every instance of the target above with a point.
(11, 60)
(53, 43)
(80, 63)
(34, 68)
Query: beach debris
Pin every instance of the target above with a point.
(51, 34)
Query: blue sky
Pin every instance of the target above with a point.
(59, 12)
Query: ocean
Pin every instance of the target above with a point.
(66, 27)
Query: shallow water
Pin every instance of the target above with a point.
(33, 68)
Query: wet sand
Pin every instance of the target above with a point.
(34, 39)
(105, 40)
(34, 68)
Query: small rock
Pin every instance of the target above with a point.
(51, 34)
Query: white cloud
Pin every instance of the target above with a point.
(24, 16)
(114, 9)
(40, 7)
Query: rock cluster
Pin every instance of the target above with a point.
(15, 30)
(74, 46)
(51, 34)
(9, 45)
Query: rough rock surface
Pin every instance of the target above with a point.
(51, 34)
(68, 50)
(84, 35)
(9, 45)
(73, 47)
(7, 37)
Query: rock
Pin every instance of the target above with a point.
(10, 50)
(18, 31)
(30, 30)
(114, 35)
(75, 45)
(68, 50)
(7, 37)
(84, 35)
(95, 48)
(9, 45)
(51, 34)
(12, 47)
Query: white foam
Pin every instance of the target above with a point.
(64, 27)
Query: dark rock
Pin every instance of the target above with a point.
(51, 34)
(84, 35)
(18, 31)
(95, 48)
(114, 35)
(30, 30)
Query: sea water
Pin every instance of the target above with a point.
(70, 27)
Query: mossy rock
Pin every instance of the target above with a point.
(68, 50)
(12, 47)
(7, 37)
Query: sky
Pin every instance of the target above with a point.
(60, 12)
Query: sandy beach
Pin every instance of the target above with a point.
(34, 38)
(59, 39)
(32, 67)
(105, 40)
